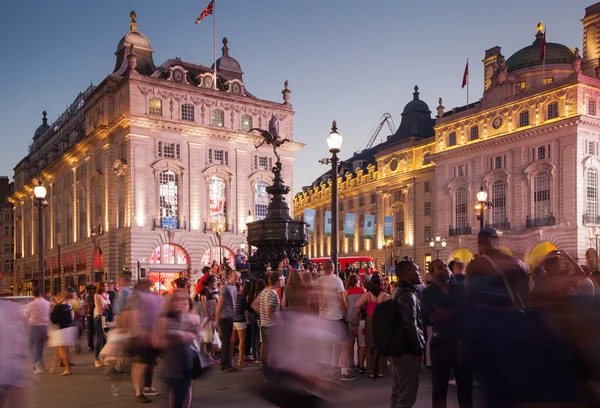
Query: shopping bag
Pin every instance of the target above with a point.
(216, 340)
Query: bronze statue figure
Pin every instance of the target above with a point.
(271, 136)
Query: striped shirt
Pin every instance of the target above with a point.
(268, 297)
(240, 308)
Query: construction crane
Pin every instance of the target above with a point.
(386, 118)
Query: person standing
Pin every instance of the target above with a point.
(356, 322)
(406, 367)
(443, 306)
(102, 306)
(37, 313)
(62, 315)
(333, 307)
(224, 318)
(243, 268)
(270, 307)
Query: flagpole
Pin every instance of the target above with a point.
(468, 75)
(544, 62)
(215, 40)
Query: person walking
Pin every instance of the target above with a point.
(332, 306)
(371, 299)
(443, 306)
(356, 323)
(62, 315)
(101, 308)
(37, 313)
(224, 318)
(407, 366)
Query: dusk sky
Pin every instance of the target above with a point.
(346, 60)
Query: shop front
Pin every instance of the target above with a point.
(168, 262)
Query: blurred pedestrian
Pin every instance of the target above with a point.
(62, 315)
(270, 307)
(353, 294)
(14, 383)
(102, 309)
(224, 318)
(37, 313)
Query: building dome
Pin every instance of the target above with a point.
(42, 128)
(416, 104)
(138, 43)
(135, 38)
(228, 65)
(416, 120)
(530, 56)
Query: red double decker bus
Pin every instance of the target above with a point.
(359, 263)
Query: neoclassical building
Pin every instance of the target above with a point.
(151, 170)
(531, 142)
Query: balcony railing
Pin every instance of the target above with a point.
(211, 226)
(540, 222)
(501, 226)
(462, 230)
(169, 223)
(591, 219)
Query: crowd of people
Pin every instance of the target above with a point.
(525, 337)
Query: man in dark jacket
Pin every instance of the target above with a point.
(407, 367)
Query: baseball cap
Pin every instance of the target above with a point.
(487, 233)
(72, 290)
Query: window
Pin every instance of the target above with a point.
(427, 187)
(428, 233)
(262, 163)
(591, 194)
(398, 195)
(351, 204)
(460, 170)
(246, 123)
(524, 118)
(168, 196)
(399, 226)
(82, 206)
(553, 110)
(361, 201)
(261, 200)
(121, 202)
(452, 139)
(69, 210)
(122, 154)
(592, 107)
(522, 85)
(218, 117)
(541, 152)
(427, 208)
(170, 254)
(462, 219)
(361, 220)
(155, 107)
(361, 243)
(187, 112)
(474, 132)
(547, 80)
(373, 198)
(217, 200)
(498, 162)
(541, 195)
(341, 206)
(499, 202)
(591, 147)
(7, 216)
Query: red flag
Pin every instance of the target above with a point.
(206, 12)
(543, 50)
(465, 75)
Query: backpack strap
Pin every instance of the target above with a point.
(513, 297)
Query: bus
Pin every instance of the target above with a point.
(359, 263)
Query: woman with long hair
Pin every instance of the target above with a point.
(239, 327)
(371, 299)
(355, 322)
(294, 293)
(102, 307)
(179, 328)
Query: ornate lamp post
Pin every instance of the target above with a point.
(40, 192)
(249, 219)
(334, 142)
(388, 244)
(482, 204)
(437, 244)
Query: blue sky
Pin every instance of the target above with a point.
(346, 60)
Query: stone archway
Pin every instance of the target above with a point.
(505, 249)
(535, 255)
(464, 254)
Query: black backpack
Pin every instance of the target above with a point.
(55, 314)
(388, 328)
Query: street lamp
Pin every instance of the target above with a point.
(219, 232)
(438, 244)
(334, 142)
(40, 192)
(482, 204)
(388, 243)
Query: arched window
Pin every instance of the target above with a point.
(217, 201)
(168, 196)
(218, 117)
(155, 107)
(187, 112)
(169, 254)
(246, 123)
(499, 217)
(591, 195)
(462, 218)
(541, 195)
(82, 216)
(261, 200)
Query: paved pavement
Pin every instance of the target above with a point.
(88, 388)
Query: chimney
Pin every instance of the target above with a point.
(591, 45)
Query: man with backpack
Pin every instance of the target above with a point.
(409, 342)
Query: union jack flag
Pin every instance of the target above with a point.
(206, 12)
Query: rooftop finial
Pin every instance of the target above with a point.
(416, 93)
(133, 23)
(286, 93)
(540, 27)
(44, 118)
(225, 48)
(334, 126)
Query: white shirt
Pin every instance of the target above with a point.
(37, 312)
(327, 288)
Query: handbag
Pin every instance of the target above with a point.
(200, 360)
(208, 334)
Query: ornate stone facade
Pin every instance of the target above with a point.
(158, 160)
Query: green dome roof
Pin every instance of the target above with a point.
(530, 56)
